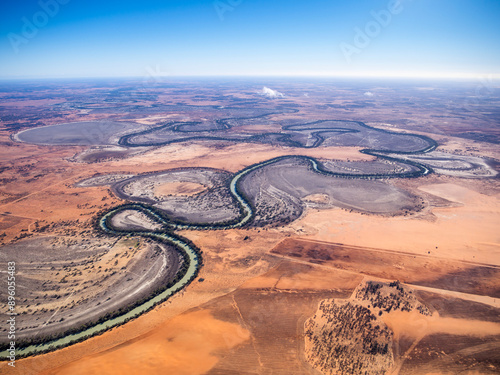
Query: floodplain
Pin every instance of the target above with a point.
(304, 216)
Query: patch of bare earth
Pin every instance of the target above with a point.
(178, 188)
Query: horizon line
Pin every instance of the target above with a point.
(395, 75)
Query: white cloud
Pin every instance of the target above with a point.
(270, 93)
(368, 93)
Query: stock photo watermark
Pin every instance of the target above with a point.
(483, 91)
(372, 29)
(153, 77)
(11, 312)
(223, 6)
(31, 26)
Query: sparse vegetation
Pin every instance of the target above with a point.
(349, 337)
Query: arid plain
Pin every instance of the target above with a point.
(384, 262)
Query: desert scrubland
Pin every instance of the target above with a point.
(340, 233)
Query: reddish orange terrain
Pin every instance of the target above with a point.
(339, 271)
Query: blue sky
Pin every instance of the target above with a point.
(88, 38)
